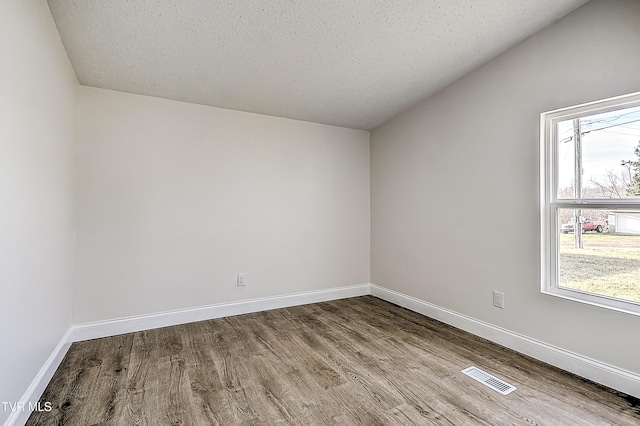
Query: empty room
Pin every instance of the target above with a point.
(332, 212)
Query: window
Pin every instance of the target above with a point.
(590, 203)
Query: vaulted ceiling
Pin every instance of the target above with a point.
(352, 63)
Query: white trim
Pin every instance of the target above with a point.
(616, 378)
(550, 204)
(95, 330)
(40, 382)
(599, 372)
(108, 328)
(595, 107)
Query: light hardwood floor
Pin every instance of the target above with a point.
(353, 361)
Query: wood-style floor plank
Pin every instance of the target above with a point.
(359, 361)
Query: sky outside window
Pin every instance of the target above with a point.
(607, 140)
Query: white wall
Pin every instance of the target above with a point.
(38, 112)
(455, 183)
(174, 199)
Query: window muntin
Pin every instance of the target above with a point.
(594, 262)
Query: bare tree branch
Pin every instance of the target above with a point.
(613, 187)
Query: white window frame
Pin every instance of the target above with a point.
(549, 202)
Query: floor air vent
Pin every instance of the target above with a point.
(489, 380)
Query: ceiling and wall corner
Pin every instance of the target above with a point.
(354, 64)
(474, 148)
(174, 199)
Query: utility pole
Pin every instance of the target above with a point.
(577, 229)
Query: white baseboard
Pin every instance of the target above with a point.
(114, 327)
(599, 372)
(616, 378)
(38, 385)
(108, 328)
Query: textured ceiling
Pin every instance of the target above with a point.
(350, 63)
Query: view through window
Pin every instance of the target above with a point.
(591, 206)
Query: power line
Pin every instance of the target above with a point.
(613, 125)
(610, 119)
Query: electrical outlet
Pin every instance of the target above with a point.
(498, 299)
(241, 279)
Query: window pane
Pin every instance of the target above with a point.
(566, 160)
(608, 263)
(610, 160)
